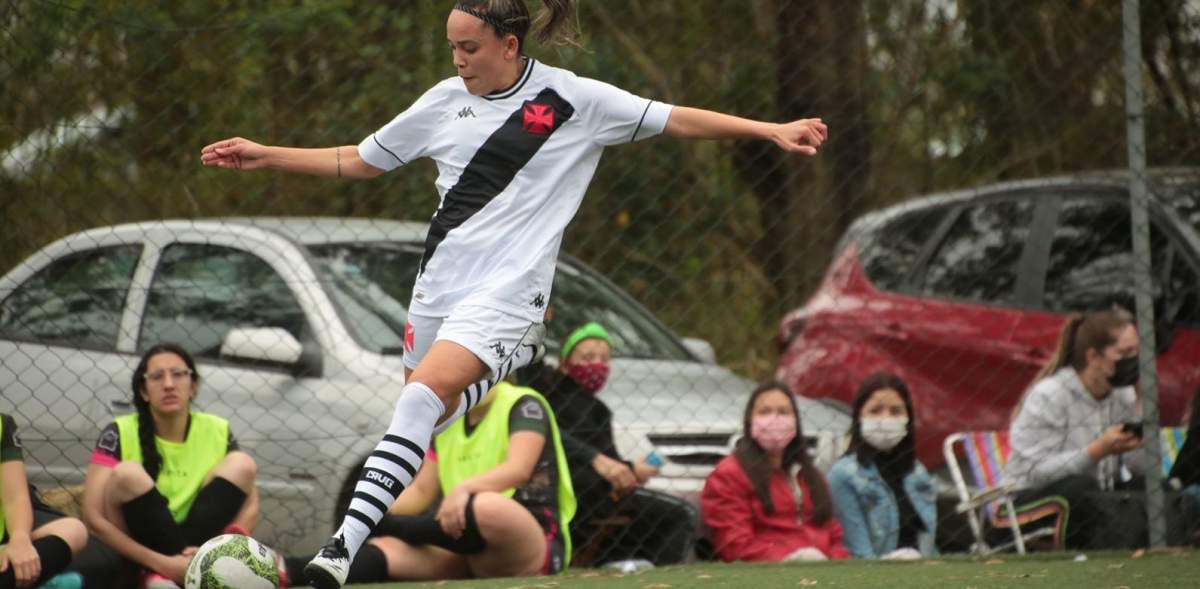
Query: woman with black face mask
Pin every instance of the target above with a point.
(1069, 438)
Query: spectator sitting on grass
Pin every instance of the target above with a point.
(766, 501)
(36, 544)
(883, 497)
(662, 527)
(1185, 473)
(1067, 438)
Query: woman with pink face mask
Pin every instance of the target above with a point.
(884, 498)
(766, 501)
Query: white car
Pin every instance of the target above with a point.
(297, 325)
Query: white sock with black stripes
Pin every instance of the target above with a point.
(393, 464)
(521, 357)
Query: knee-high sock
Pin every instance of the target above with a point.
(521, 357)
(393, 464)
(214, 508)
(151, 524)
(55, 555)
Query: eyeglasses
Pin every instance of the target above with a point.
(176, 374)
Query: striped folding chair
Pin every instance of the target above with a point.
(987, 499)
(1172, 441)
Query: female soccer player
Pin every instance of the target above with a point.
(166, 479)
(516, 143)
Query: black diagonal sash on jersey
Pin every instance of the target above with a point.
(497, 162)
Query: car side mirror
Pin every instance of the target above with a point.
(273, 345)
(701, 349)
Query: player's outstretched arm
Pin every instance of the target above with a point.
(801, 136)
(243, 154)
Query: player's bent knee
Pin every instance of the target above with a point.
(130, 475)
(70, 529)
(241, 466)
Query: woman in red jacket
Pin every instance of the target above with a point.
(766, 501)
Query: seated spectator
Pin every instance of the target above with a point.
(883, 497)
(164, 480)
(1185, 473)
(1067, 439)
(506, 501)
(661, 528)
(36, 544)
(766, 501)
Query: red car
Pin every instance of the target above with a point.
(963, 295)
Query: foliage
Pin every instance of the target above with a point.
(107, 104)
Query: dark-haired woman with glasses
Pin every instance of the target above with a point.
(167, 478)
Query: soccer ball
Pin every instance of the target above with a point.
(232, 561)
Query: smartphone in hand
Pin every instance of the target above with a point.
(1133, 427)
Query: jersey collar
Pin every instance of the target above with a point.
(516, 87)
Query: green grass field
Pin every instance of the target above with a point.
(1173, 568)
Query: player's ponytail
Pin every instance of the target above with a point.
(554, 26)
(553, 21)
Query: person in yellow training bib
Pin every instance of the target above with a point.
(165, 479)
(36, 544)
(508, 500)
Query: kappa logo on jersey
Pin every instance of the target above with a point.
(538, 301)
(539, 118)
(465, 112)
(410, 338)
(498, 348)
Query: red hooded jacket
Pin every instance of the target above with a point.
(743, 530)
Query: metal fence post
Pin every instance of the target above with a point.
(1148, 384)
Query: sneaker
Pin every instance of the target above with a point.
(71, 580)
(236, 529)
(153, 580)
(328, 569)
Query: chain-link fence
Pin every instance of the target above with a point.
(818, 272)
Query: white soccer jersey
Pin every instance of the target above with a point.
(513, 167)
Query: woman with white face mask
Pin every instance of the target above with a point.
(766, 501)
(884, 498)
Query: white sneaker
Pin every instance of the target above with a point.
(328, 569)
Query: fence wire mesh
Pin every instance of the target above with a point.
(713, 264)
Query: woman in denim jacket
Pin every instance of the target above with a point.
(884, 498)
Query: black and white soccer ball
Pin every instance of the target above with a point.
(232, 561)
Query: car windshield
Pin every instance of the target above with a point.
(371, 283)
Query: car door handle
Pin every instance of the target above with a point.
(121, 404)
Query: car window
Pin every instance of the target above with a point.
(979, 257)
(76, 300)
(580, 296)
(889, 253)
(371, 284)
(1091, 257)
(1184, 198)
(201, 291)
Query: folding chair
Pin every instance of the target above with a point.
(986, 453)
(1172, 441)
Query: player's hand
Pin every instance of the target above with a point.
(20, 555)
(617, 473)
(802, 136)
(236, 153)
(452, 515)
(174, 567)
